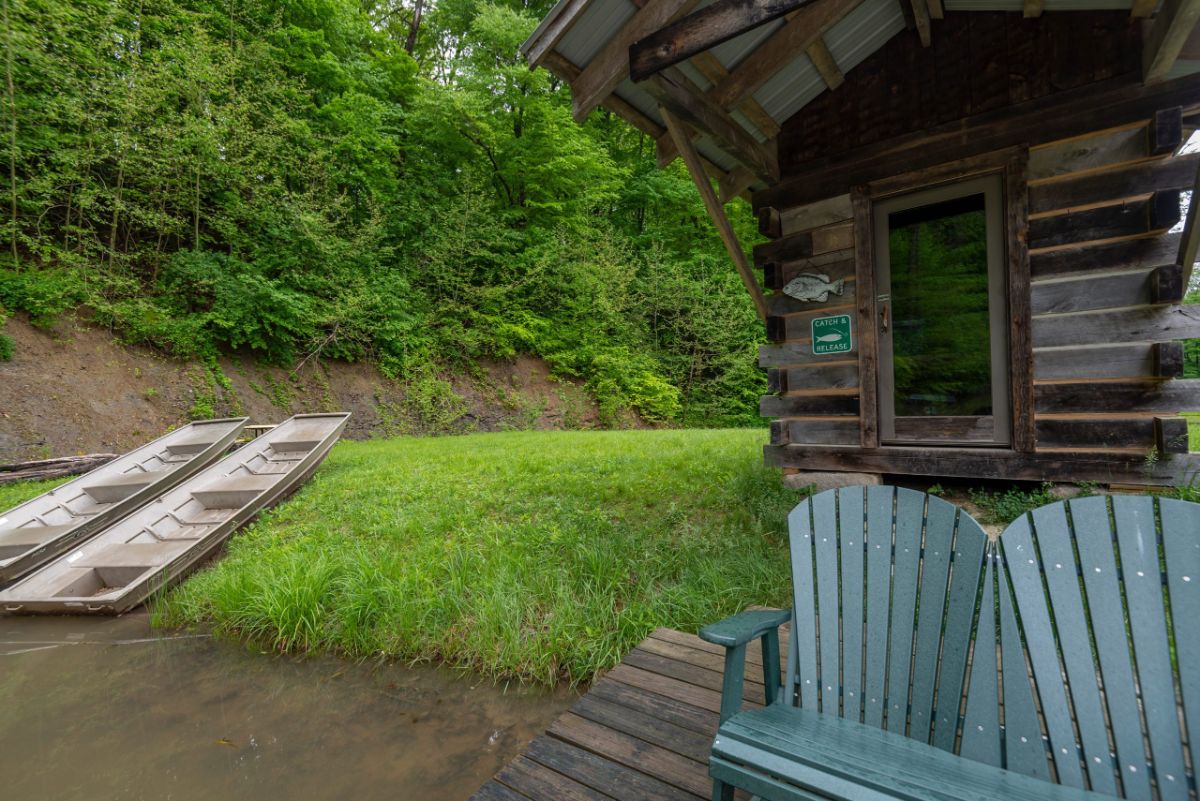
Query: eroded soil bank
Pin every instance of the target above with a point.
(75, 389)
(101, 708)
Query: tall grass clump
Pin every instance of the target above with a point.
(538, 555)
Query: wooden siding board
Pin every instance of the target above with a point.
(1119, 396)
(1177, 173)
(1126, 219)
(794, 405)
(1145, 324)
(1093, 292)
(1106, 466)
(1098, 151)
(1088, 432)
(1087, 258)
(1126, 360)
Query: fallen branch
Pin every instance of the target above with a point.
(53, 468)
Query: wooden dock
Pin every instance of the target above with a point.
(642, 733)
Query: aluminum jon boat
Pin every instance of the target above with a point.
(41, 529)
(135, 557)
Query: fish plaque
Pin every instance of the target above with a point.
(813, 287)
(831, 335)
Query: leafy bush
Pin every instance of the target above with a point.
(6, 348)
(43, 294)
(1004, 507)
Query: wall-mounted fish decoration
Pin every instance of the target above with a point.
(813, 287)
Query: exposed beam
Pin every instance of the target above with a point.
(567, 71)
(672, 89)
(1034, 8)
(712, 69)
(734, 183)
(1170, 31)
(1190, 242)
(611, 65)
(537, 49)
(936, 10)
(921, 19)
(1143, 8)
(715, 71)
(701, 30)
(715, 210)
(779, 50)
(822, 59)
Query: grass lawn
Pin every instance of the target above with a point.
(539, 555)
(1193, 419)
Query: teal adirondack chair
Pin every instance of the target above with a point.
(920, 654)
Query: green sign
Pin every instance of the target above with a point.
(831, 335)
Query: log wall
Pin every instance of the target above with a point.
(1106, 320)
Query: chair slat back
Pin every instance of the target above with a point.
(886, 583)
(1099, 604)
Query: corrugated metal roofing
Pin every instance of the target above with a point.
(790, 89)
(731, 53)
(863, 31)
(599, 23)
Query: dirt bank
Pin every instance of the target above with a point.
(76, 389)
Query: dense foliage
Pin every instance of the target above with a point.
(285, 176)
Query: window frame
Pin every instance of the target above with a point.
(1010, 165)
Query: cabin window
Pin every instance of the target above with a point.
(942, 319)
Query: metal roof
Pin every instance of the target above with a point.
(850, 41)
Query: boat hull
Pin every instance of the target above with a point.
(44, 527)
(148, 551)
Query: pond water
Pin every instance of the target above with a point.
(111, 709)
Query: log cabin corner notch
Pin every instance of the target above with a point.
(974, 207)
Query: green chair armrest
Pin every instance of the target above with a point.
(743, 628)
(735, 634)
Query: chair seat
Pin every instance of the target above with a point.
(782, 752)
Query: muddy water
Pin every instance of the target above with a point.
(110, 709)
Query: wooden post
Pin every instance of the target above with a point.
(1167, 36)
(716, 211)
(1191, 237)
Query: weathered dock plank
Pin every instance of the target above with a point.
(643, 731)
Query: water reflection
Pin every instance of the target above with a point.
(110, 709)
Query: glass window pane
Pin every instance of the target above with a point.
(939, 307)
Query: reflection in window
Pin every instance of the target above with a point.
(939, 309)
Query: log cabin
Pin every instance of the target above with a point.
(977, 218)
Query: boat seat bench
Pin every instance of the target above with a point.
(927, 660)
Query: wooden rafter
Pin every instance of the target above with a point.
(920, 10)
(823, 60)
(1189, 245)
(567, 71)
(734, 183)
(715, 72)
(554, 31)
(1143, 8)
(611, 65)
(1033, 8)
(779, 50)
(702, 30)
(672, 89)
(1170, 31)
(936, 9)
(716, 211)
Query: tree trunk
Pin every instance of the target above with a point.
(411, 42)
(12, 127)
